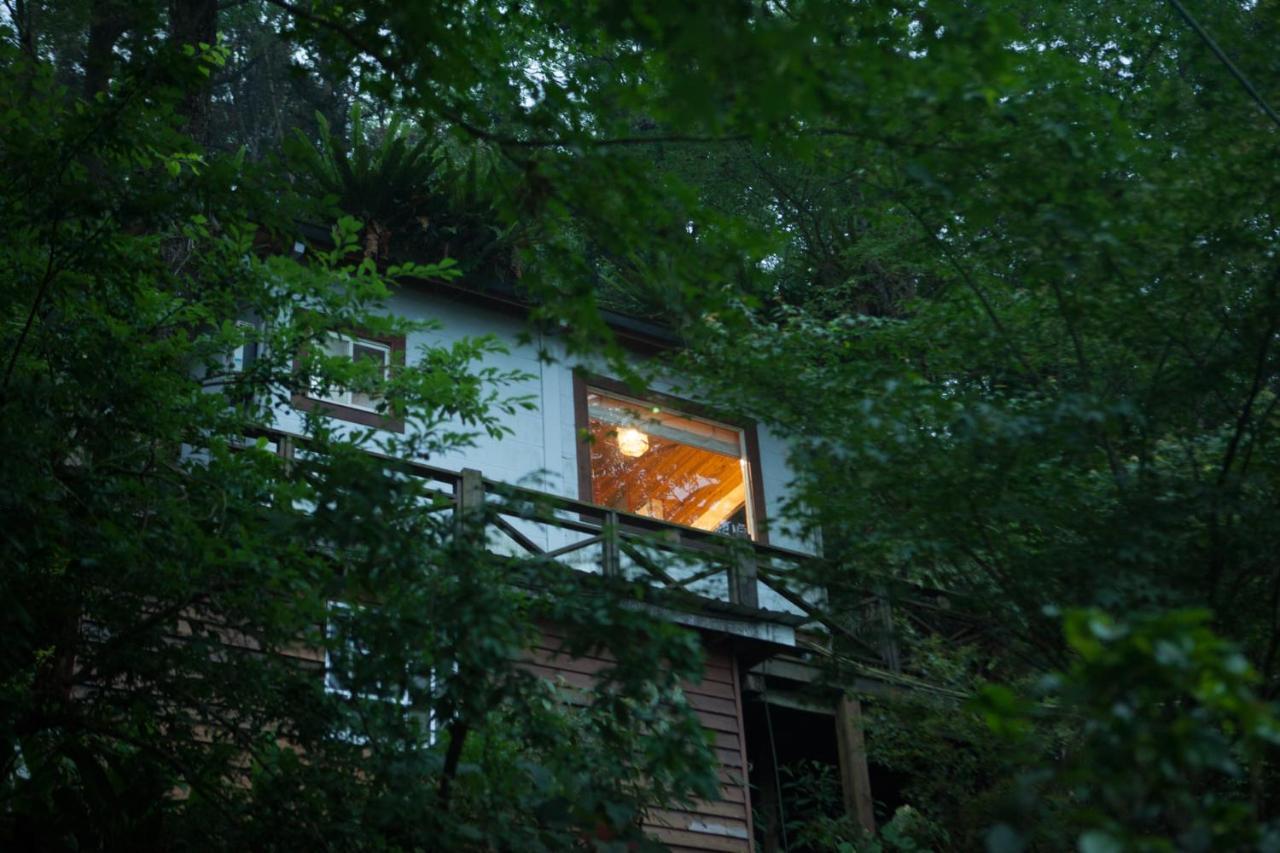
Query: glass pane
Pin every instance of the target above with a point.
(665, 465)
(337, 346)
(366, 351)
(370, 351)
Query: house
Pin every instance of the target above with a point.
(635, 471)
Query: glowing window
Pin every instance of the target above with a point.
(666, 465)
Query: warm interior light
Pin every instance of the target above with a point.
(679, 469)
(632, 442)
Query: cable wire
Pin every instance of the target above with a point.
(1231, 66)
(777, 778)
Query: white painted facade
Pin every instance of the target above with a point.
(541, 449)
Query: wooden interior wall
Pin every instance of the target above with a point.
(723, 825)
(690, 480)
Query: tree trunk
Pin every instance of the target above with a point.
(108, 20)
(25, 30)
(194, 22)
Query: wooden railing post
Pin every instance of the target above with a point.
(743, 575)
(286, 449)
(470, 495)
(612, 558)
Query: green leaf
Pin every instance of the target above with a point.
(1097, 841)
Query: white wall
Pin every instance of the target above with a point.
(541, 449)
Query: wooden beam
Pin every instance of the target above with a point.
(855, 780)
(888, 636)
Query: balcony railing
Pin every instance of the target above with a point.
(698, 568)
(524, 522)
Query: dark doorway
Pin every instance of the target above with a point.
(804, 783)
(794, 774)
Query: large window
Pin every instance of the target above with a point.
(647, 458)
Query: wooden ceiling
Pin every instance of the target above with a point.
(684, 482)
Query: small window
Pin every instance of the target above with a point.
(358, 350)
(243, 355)
(349, 404)
(342, 658)
(646, 458)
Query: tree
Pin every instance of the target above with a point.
(1005, 273)
(1074, 405)
(163, 573)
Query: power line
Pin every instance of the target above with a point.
(773, 757)
(1231, 66)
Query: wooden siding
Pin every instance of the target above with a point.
(722, 825)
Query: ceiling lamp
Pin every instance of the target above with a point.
(632, 442)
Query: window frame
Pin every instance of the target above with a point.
(307, 401)
(584, 383)
(343, 396)
(333, 687)
(243, 356)
(353, 650)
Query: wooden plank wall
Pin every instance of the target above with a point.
(723, 825)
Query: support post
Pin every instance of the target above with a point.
(284, 449)
(743, 588)
(470, 495)
(612, 557)
(855, 780)
(765, 796)
(888, 635)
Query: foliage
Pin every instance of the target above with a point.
(1165, 724)
(168, 581)
(1006, 274)
(813, 790)
(377, 185)
(404, 190)
(1062, 395)
(908, 734)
